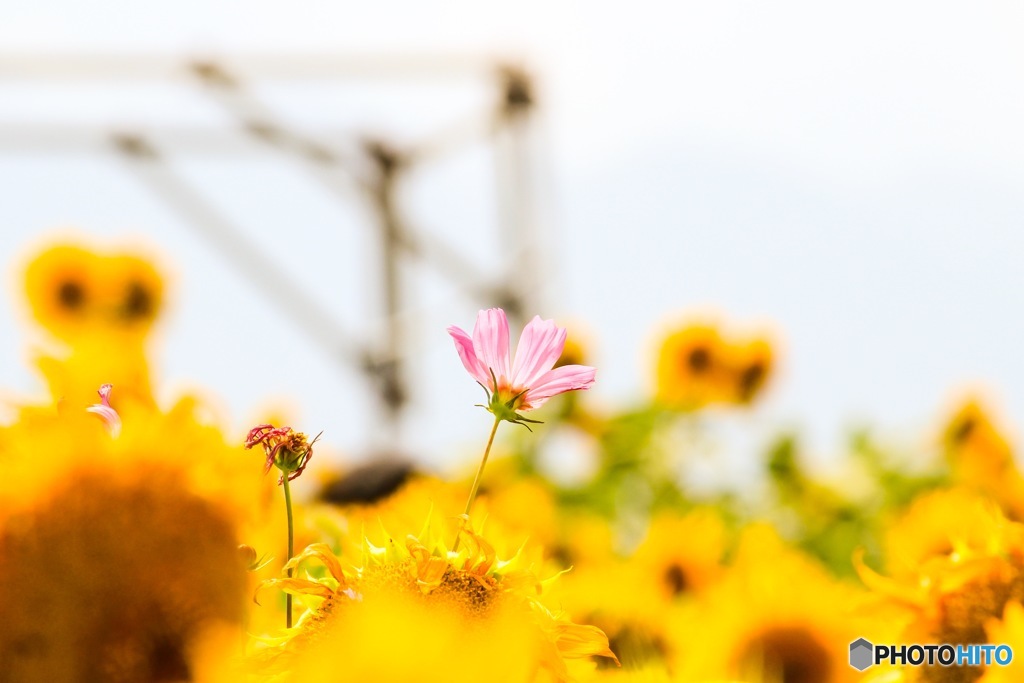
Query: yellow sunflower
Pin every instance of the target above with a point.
(688, 371)
(953, 597)
(110, 571)
(698, 365)
(73, 290)
(367, 502)
(72, 377)
(374, 501)
(678, 559)
(520, 512)
(132, 292)
(980, 456)
(936, 525)
(1007, 631)
(102, 307)
(775, 615)
(61, 286)
(415, 609)
(611, 596)
(577, 348)
(401, 510)
(681, 554)
(749, 364)
(118, 555)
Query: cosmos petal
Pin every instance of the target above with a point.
(490, 340)
(103, 410)
(539, 348)
(474, 366)
(558, 381)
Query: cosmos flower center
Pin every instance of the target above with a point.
(506, 392)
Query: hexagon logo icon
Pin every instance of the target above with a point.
(861, 654)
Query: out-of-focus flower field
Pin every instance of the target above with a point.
(142, 541)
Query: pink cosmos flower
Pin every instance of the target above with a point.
(109, 416)
(528, 380)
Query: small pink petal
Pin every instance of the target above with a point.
(490, 340)
(105, 412)
(558, 381)
(474, 366)
(538, 350)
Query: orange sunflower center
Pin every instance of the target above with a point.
(751, 378)
(138, 302)
(698, 360)
(675, 579)
(790, 654)
(114, 581)
(71, 295)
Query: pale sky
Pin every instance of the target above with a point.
(853, 175)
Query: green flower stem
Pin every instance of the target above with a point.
(291, 544)
(479, 476)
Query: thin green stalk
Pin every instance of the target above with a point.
(291, 545)
(479, 476)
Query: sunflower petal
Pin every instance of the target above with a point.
(295, 587)
(322, 552)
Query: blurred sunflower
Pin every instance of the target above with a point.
(118, 555)
(102, 308)
(936, 525)
(1009, 631)
(750, 364)
(688, 371)
(132, 292)
(697, 365)
(681, 554)
(586, 538)
(73, 291)
(651, 673)
(577, 348)
(775, 615)
(520, 511)
(417, 609)
(109, 570)
(677, 560)
(953, 597)
(980, 457)
(60, 283)
(630, 617)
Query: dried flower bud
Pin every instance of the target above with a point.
(286, 449)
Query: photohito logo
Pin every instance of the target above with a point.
(863, 654)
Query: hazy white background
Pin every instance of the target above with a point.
(852, 174)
